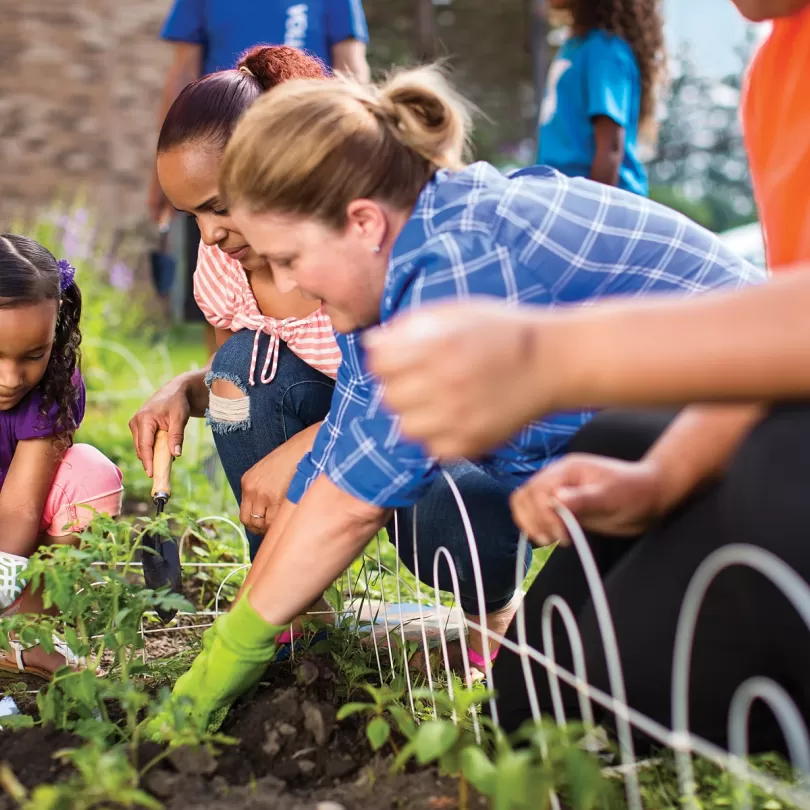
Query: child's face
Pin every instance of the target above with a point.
(26, 340)
(761, 10)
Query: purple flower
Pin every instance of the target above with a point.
(67, 272)
(77, 234)
(121, 276)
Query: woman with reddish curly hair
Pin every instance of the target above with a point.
(270, 382)
(602, 91)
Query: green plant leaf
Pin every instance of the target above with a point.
(433, 739)
(584, 779)
(354, 708)
(404, 720)
(378, 731)
(512, 776)
(17, 721)
(478, 770)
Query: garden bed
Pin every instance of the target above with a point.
(290, 753)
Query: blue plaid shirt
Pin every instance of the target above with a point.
(535, 237)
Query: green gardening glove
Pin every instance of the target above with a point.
(236, 652)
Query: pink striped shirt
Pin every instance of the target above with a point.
(223, 294)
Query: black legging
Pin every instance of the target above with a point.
(746, 626)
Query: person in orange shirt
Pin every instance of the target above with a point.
(776, 127)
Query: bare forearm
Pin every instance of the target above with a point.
(20, 534)
(25, 492)
(193, 382)
(265, 552)
(609, 141)
(325, 533)
(303, 440)
(605, 167)
(697, 448)
(750, 345)
(349, 57)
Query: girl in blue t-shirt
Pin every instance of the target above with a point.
(601, 91)
(50, 488)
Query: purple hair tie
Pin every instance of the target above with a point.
(67, 272)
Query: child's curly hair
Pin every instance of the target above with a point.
(28, 275)
(640, 24)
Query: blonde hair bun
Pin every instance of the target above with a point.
(311, 147)
(430, 116)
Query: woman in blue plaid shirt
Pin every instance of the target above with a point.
(359, 196)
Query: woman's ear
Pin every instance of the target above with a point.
(367, 221)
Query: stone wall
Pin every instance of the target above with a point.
(81, 80)
(79, 89)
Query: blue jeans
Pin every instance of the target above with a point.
(298, 397)
(439, 524)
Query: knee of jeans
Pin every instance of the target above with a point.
(228, 402)
(235, 353)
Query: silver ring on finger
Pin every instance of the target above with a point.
(257, 517)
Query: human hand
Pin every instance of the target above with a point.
(265, 484)
(461, 375)
(611, 497)
(167, 409)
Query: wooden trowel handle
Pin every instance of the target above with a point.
(162, 466)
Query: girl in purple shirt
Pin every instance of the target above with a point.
(50, 488)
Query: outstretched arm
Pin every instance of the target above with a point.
(465, 377)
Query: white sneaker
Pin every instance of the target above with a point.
(11, 566)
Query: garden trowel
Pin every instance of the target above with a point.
(161, 556)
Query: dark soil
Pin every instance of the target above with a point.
(29, 753)
(291, 755)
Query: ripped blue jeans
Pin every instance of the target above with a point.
(246, 430)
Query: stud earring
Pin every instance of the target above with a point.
(375, 249)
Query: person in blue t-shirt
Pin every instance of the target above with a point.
(210, 35)
(601, 91)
